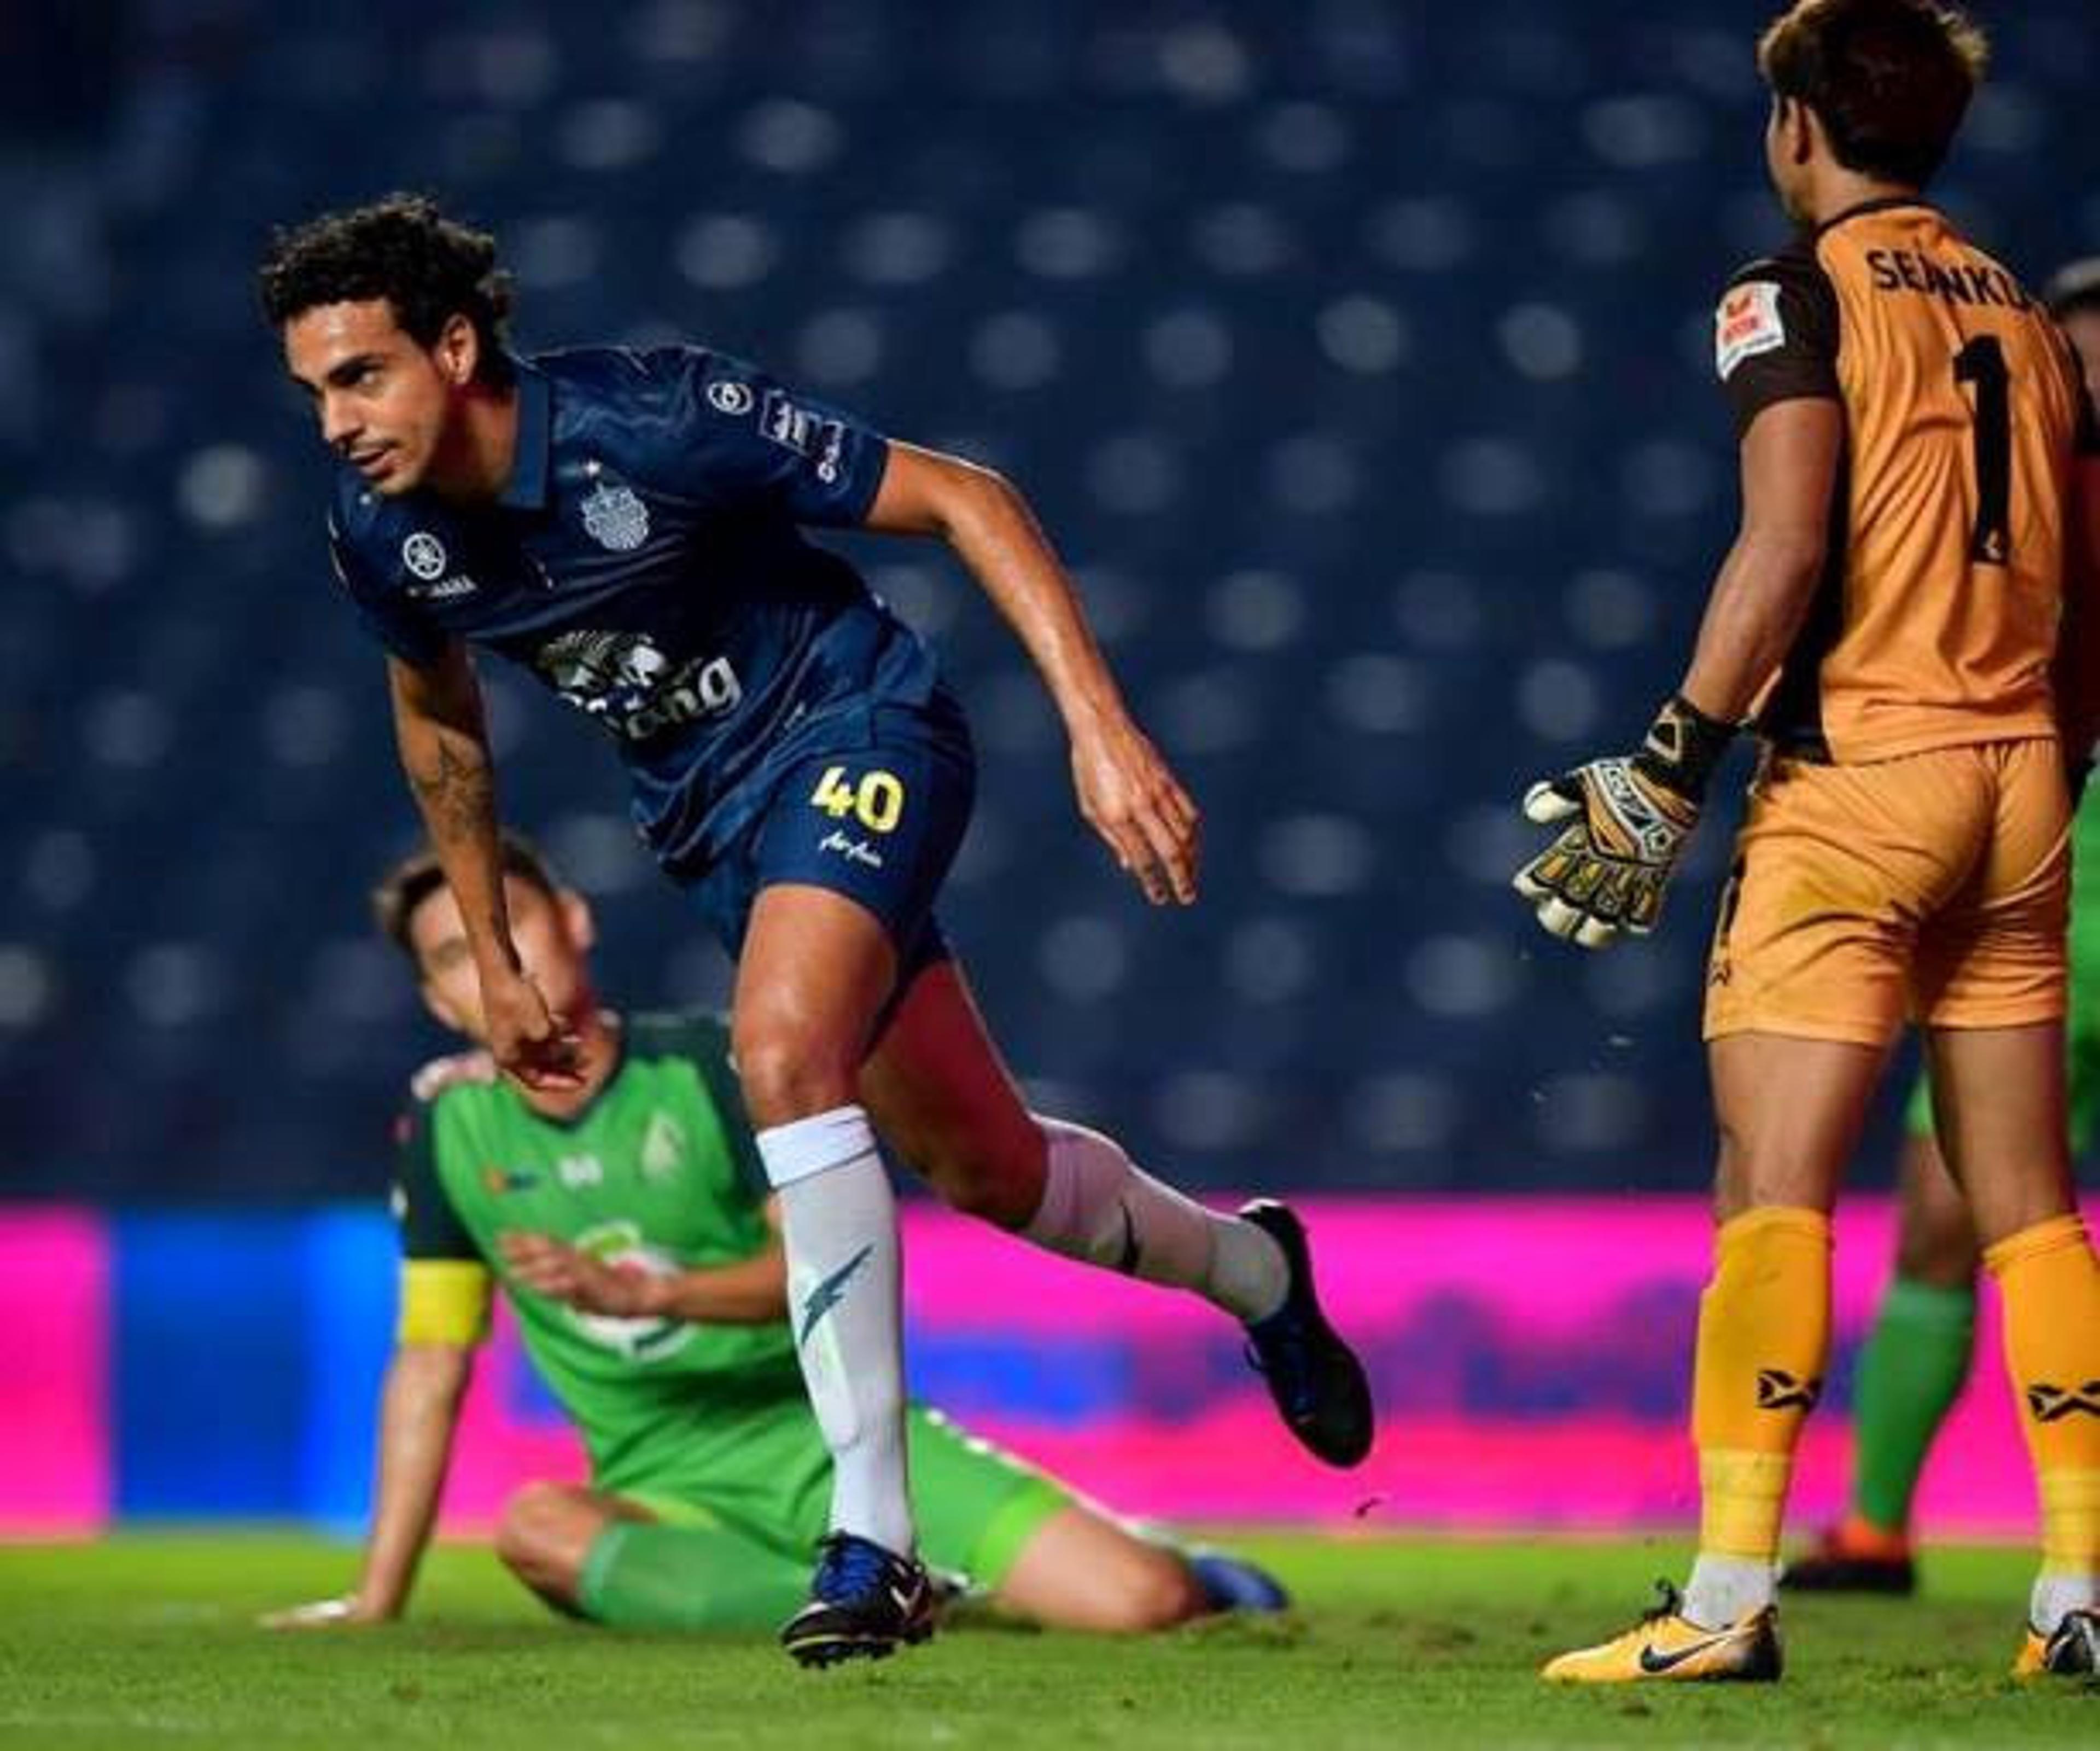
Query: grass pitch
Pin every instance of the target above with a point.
(149, 1641)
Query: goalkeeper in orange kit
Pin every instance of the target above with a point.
(1907, 615)
(1918, 1351)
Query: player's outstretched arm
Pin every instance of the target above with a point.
(1127, 791)
(1624, 819)
(442, 734)
(419, 1410)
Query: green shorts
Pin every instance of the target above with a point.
(2081, 1025)
(768, 1476)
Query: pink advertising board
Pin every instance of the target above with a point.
(1531, 1360)
(55, 1445)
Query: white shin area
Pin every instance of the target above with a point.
(839, 1222)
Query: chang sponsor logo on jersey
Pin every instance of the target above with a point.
(626, 682)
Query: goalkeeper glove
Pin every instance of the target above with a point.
(1624, 820)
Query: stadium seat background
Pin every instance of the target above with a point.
(1356, 355)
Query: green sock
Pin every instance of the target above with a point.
(1910, 1367)
(641, 1575)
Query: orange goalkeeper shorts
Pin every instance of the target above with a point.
(1930, 888)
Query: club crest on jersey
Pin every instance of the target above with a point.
(615, 517)
(1747, 324)
(663, 1147)
(424, 555)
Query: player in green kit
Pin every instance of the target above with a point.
(629, 1223)
(1917, 1355)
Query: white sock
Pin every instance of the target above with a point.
(839, 1220)
(2056, 1596)
(1097, 1206)
(1725, 1589)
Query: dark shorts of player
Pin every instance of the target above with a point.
(874, 812)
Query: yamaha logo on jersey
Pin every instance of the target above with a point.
(615, 517)
(728, 396)
(424, 555)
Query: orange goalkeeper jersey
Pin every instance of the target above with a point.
(1935, 622)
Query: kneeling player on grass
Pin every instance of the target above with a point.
(628, 1222)
(1918, 1353)
(1908, 610)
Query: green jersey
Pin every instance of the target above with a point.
(660, 1171)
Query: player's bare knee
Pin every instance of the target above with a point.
(528, 1536)
(786, 1077)
(1155, 1593)
(996, 1179)
(975, 1185)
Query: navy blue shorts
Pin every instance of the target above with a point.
(876, 814)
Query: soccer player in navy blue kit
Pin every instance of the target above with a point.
(627, 525)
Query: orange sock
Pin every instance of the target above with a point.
(2051, 1289)
(1764, 1332)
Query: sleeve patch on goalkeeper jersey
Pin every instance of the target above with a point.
(1747, 324)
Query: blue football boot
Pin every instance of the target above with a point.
(865, 1603)
(1232, 1583)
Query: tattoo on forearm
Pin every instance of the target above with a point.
(456, 790)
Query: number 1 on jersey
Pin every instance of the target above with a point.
(1983, 362)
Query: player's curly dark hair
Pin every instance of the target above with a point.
(1891, 79)
(403, 249)
(402, 889)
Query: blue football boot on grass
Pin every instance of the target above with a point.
(1232, 1583)
(865, 1603)
(1315, 1378)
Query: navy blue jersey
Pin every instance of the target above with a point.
(647, 562)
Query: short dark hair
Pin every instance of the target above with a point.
(411, 881)
(1891, 79)
(2074, 288)
(428, 268)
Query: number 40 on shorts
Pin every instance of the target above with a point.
(876, 800)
